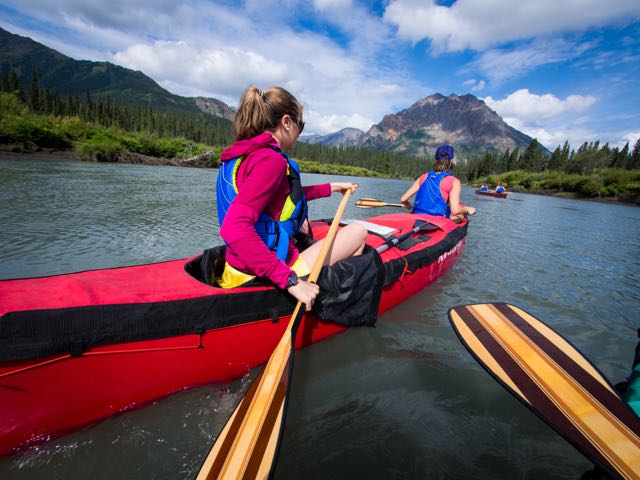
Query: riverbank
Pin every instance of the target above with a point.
(609, 186)
(604, 185)
(208, 159)
(49, 154)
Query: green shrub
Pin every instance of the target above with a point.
(32, 131)
(101, 147)
(10, 104)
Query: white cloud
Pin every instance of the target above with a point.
(474, 85)
(197, 70)
(211, 49)
(503, 64)
(71, 49)
(478, 24)
(529, 107)
(546, 117)
(630, 137)
(332, 123)
(331, 4)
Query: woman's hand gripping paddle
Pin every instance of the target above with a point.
(374, 203)
(248, 445)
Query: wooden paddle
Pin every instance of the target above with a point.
(374, 203)
(247, 446)
(554, 380)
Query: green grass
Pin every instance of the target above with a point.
(23, 130)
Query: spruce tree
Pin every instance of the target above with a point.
(35, 92)
(634, 159)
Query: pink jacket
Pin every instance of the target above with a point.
(262, 187)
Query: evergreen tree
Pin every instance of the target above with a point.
(35, 92)
(621, 159)
(555, 162)
(501, 165)
(514, 160)
(565, 153)
(532, 157)
(634, 159)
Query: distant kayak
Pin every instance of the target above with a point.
(489, 193)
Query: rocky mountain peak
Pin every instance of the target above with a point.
(460, 120)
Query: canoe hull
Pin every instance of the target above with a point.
(59, 393)
(492, 194)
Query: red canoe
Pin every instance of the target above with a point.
(77, 348)
(492, 194)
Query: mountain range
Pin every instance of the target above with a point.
(463, 121)
(56, 71)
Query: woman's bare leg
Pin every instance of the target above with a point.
(349, 241)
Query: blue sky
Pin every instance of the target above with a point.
(555, 69)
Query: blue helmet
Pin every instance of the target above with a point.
(445, 151)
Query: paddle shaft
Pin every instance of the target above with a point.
(247, 445)
(374, 203)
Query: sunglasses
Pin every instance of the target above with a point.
(300, 126)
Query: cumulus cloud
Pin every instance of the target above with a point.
(546, 117)
(478, 25)
(530, 107)
(197, 69)
(332, 123)
(206, 48)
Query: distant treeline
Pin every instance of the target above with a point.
(588, 158)
(387, 163)
(207, 131)
(196, 126)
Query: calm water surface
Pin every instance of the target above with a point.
(403, 400)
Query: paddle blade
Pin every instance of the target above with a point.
(369, 203)
(374, 203)
(554, 380)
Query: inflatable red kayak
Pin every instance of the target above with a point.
(79, 347)
(492, 194)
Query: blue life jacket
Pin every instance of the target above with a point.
(274, 233)
(429, 200)
(499, 189)
(484, 188)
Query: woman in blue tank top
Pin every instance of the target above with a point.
(438, 191)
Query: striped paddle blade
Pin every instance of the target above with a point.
(555, 381)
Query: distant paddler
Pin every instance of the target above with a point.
(438, 191)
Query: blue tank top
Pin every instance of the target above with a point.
(429, 200)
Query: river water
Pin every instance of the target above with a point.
(402, 400)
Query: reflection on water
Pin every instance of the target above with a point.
(402, 400)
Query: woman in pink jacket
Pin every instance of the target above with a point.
(261, 202)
